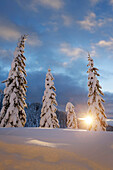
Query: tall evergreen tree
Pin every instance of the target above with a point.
(48, 115)
(12, 113)
(71, 116)
(96, 109)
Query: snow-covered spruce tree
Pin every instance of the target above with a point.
(12, 113)
(48, 115)
(96, 109)
(71, 116)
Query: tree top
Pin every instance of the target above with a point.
(49, 70)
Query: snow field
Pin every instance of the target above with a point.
(42, 148)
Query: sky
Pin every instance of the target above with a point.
(61, 33)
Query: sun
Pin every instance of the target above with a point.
(88, 120)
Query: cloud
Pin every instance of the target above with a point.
(8, 31)
(56, 4)
(107, 44)
(67, 89)
(58, 20)
(111, 2)
(34, 4)
(94, 2)
(6, 54)
(6, 57)
(3, 76)
(34, 40)
(51, 26)
(67, 20)
(12, 32)
(93, 52)
(91, 22)
(65, 64)
(72, 52)
(108, 103)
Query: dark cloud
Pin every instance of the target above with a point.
(36, 83)
(67, 89)
(108, 103)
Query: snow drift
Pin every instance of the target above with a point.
(36, 148)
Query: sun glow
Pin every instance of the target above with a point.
(88, 120)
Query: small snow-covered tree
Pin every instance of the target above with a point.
(96, 109)
(71, 116)
(12, 113)
(48, 115)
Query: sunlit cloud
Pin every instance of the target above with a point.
(93, 51)
(65, 64)
(67, 20)
(11, 32)
(111, 2)
(91, 22)
(56, 4)
(94, 2)
(73, 52)
(106, 44)
(35, 4)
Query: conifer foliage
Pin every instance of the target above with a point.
(48, 115)
(96, 109)
(71, 116)
(12, 113)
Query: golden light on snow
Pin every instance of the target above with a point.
(88, 120)
(43, 143)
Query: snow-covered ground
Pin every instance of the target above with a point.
(61, 149)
